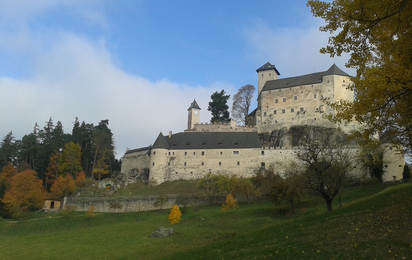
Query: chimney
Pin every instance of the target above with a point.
(170, 134)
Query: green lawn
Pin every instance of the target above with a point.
(368, 226)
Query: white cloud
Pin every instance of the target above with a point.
(295, 51)
(77, 77)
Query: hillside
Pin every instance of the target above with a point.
(367, 227)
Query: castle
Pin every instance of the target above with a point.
(233, 149)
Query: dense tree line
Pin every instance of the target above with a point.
(50, 151)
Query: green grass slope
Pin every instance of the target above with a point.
(372, 227)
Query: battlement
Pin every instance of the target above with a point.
(221, 127)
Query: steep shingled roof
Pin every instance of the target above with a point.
(194, 105)
(160, 142)
(268, 66)
(313, 78)
(214, 140)
(205, 140)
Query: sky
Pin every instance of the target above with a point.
(141, 63)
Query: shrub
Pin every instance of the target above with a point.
(230, 203)
(174, 216)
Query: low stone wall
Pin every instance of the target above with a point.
(129, 204)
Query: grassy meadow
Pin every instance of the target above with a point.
(372, 224)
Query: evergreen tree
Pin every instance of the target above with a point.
(219, 108)
(8, 150)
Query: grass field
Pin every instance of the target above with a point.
(371, 225)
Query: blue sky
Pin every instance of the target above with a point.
(141, 63)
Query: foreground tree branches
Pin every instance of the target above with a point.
(326, 164)
(378, 35)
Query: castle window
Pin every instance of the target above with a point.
(283, 111)
(276, 122)
(203, 153)
(154, 153)
(185, 163)
(194, 153)
(284, 99)
(238, 163)
(343, 80)
(274, 112)
(295, 98)
(301, 109)
(176, 172)
(280, 90)
(236, 143)
(168, 164)
(315, 118)
(262, 165)
(292, 110)
(152, 164)
(169, 153)
(262, 75)
(220, 163)
(173, 153)
(221, 153)
(262, 152)
(276, 100)
(203, 163)
(270, 74)
(390, 148)
(321, 96)
(264, 113)
(235, 152)
(314, 96)
(204, 143)
(328, 81)
(185, 153)
(386, 166)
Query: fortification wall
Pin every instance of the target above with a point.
(221, 127)
(127, 204)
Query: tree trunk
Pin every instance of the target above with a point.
(328, 204)
(293, 206)
(340, 201)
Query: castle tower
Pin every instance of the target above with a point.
(194, 115)
(265, 73)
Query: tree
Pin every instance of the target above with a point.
(406, 173)
(378, 36)
(371, 159)
(241, 103)
(52, 170)
(101, 168)
(174, 216)
(103, 146)
(70, 159)
(219, 108)
(211, 186)
(281, 187)
(63, 187)
(8, 150)
(326, 164)
(26, 193)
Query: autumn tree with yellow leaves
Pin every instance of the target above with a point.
(378, 36)
(174, 216)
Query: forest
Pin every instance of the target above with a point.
(51, 152)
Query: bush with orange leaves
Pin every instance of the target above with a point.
(230, 203)
(80, 179)
(174, 216)
(62, 187)
(25, 193)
